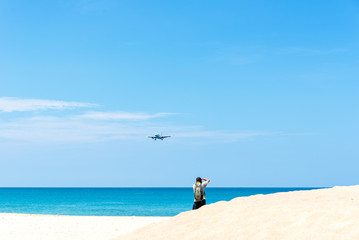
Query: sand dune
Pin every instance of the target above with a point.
(316, 214)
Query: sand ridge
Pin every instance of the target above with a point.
(312, 214)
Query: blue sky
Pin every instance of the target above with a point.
(253, 93)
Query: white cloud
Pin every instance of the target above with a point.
(122, 115)
(223, 134)
(63, 130)
(98, 126)
(54, 130)
(9, 104)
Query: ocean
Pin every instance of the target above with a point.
(116, 201)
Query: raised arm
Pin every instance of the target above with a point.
(205, 179)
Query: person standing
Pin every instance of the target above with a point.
(199, 194)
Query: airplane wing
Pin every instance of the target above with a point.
(151, 137)
(166, 136)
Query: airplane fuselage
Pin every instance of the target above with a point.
(158, 136)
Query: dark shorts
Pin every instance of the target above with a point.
(197, 205)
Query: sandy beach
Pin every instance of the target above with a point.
(331, 213)
(53, 227)
(316, 214)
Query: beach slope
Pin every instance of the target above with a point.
(331, 213)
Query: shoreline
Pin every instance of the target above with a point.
(331, 213)
(39, 214)
(117, 202)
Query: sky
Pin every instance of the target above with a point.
(253, 93)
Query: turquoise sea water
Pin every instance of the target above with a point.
(115, 201)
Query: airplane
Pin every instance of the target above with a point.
(158, 136)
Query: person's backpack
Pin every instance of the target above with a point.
(198, 192)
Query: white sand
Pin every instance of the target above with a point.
(323, 214)
(53, 227)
